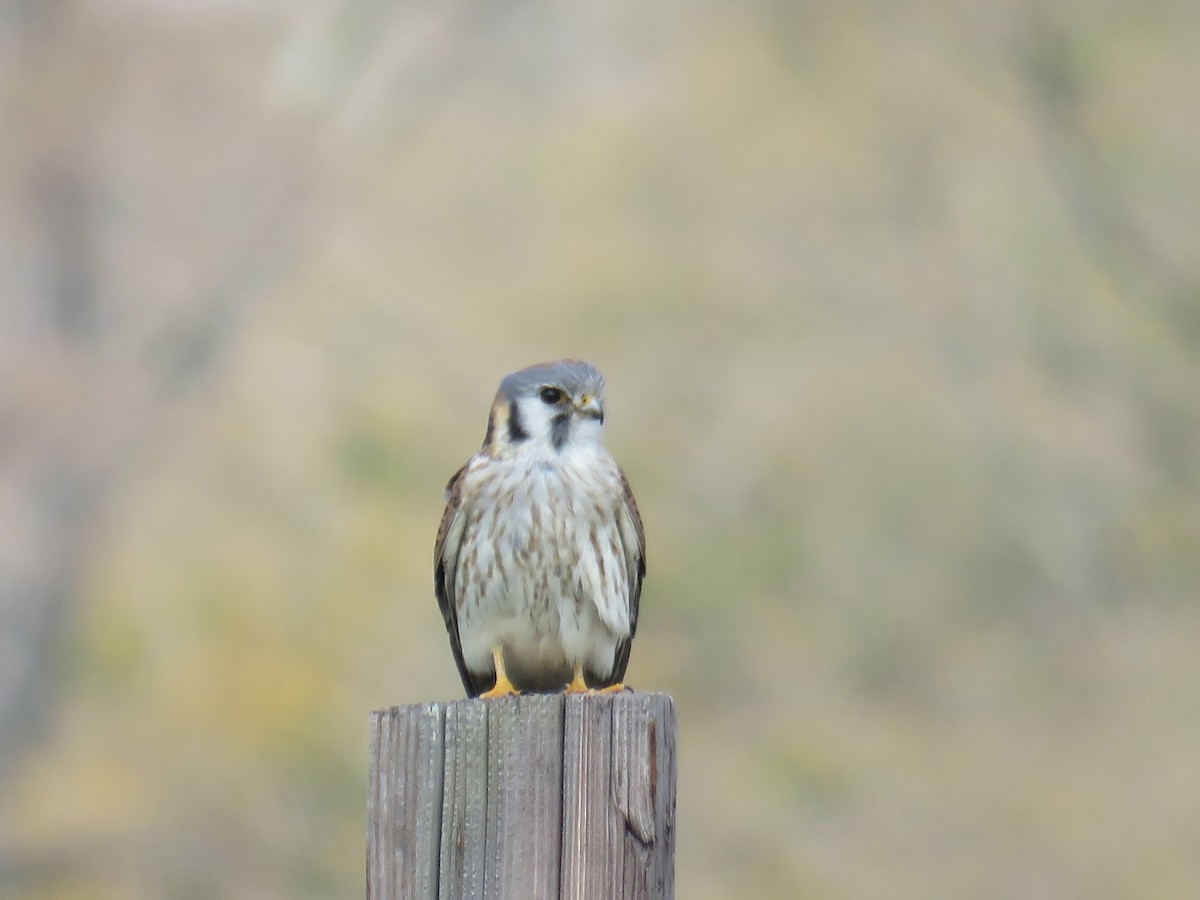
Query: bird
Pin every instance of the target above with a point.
(540, 554)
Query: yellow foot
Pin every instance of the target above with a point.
(578, 685)
(617, 688)
(503, 687)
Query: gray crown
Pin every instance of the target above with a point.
(572, 375)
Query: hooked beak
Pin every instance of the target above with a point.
(588, 405)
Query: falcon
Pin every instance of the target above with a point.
(540, 555)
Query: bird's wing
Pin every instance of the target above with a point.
(445, 565)
(633, 544)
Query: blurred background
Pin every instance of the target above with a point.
(900, 310)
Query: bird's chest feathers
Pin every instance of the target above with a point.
(542, 570)
(544, 531)
(549, 503)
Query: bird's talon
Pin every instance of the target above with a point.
(500, 690)
(578, 685)
(503, 687)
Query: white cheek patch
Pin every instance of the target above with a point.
(585, 433)
(537, 420)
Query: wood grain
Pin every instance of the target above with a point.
(531, 797)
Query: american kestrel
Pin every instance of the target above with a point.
(540, 555)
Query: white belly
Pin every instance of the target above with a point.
(542, 573)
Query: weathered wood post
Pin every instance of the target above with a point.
(530, 797)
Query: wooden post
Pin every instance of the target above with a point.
(531, 797)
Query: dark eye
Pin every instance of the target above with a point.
(551, 396)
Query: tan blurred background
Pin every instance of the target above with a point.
(900, 310)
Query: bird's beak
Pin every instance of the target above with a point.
(587, 405)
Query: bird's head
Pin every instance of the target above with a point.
(554, 406)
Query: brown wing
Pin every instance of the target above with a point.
(633, 543)
(445, 565)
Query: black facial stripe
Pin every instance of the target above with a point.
(560, 430)
(516, 431)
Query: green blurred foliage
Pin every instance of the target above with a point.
(899, 311)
